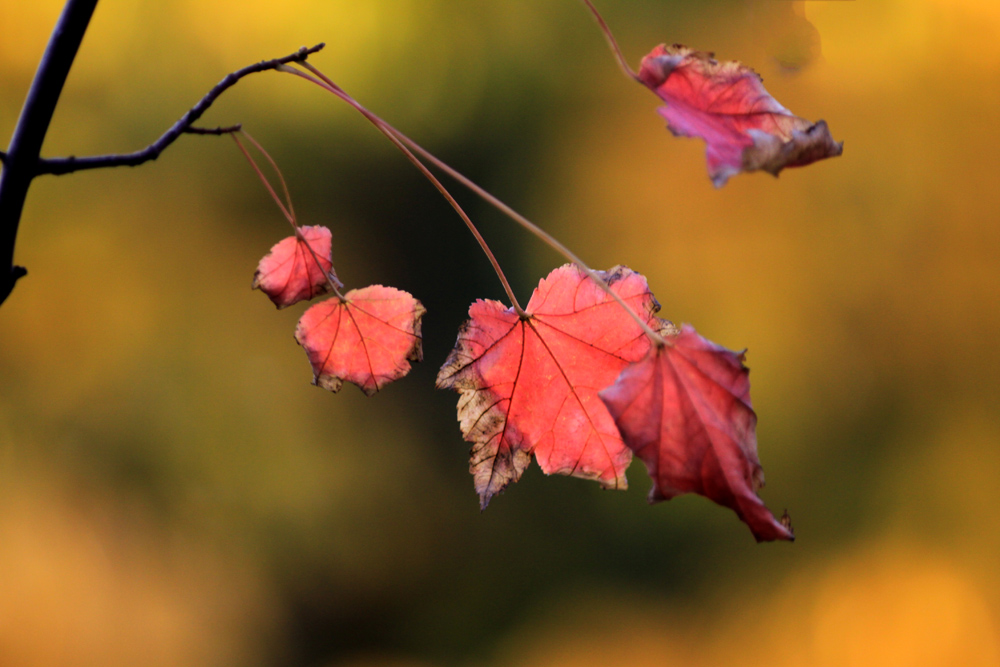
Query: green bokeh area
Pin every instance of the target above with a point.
(174, 492)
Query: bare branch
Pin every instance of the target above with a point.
(214, 130)
(59, 166)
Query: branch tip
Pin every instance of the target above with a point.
(217, 131)
(7, 285)
(185, 125)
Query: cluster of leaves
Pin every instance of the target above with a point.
(368, 336)
(586, 375)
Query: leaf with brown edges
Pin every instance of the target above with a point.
(297, 267)
(529, 385)
(685, 411)
(368, 337)
(725, 104)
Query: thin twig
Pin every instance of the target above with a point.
(59, 166)
(214, 130)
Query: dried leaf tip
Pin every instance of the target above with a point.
(685, 411)
(786, 521)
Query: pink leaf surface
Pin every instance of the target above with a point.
(529, 385)
(725, 104)
(369, 338)
(685, 411)
(289, 273)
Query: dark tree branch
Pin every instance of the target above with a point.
(21, 163)
(214, 130)
(21, 160)
(67, 165)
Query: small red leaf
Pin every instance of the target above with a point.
(289, 273)
(368, 338)
(685, 411)
(725, 104)
(529, 385)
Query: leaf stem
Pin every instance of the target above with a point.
(289, 215)
(289, 212)
(543, 235)
(612, 42)
(277, 170)
(390, 133)
(398, 137)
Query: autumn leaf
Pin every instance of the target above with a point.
(529, 384)
(685, 411)
(291, 272)
(725, 104)
(368, 337)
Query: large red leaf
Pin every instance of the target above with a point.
(290, 273)
(529, 385)
(685, 411)
(368, 337)
(725, 104)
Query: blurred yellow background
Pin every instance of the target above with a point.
(174, 492)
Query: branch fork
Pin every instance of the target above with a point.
(22, 161)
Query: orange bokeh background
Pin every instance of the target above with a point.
(173, 492)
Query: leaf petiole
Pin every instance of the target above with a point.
(612, 42)
(286, 210)
(289, 211)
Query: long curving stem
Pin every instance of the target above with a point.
(289, 210)
(390, 133)
(398, 137)
(612, 42)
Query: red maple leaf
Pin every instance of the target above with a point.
(725, 104)
(368, 337)
(529, 384)
(290, 272)
(685, 411)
